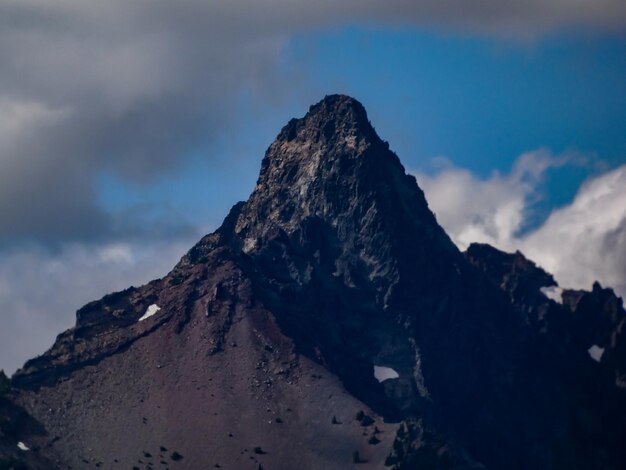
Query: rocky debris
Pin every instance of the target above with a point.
(417, 447)
(336, 265)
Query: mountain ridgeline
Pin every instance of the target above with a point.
(330, 323)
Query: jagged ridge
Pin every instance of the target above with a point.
(336, 265)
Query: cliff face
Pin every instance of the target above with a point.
(333, 290)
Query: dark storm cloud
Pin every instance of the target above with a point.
(87, 87)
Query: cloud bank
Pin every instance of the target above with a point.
(579, 243)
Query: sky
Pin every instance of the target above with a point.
(128, 130)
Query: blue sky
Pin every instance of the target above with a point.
(128, 130)
(478, 101)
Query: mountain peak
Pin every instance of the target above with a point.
(329, 184)
(334, 118)
(337, 120)
(339, 105)
(330, 165)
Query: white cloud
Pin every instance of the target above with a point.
(586, 240)
(579, 243)
(490, 210)
(553, 293)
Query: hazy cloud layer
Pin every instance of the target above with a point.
(579, 243)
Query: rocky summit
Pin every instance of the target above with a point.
(330, 323)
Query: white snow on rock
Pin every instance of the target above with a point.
(596, 352)
(22, 446)
(553, 293)
(384, 373)
(152, 309)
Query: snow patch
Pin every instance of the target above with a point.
(553, 293)
(22, 446)
(384, 373)
(596, 352)
(152, 309)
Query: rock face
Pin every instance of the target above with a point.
(267, 334)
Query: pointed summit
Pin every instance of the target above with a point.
(331, 137)
(329, 177)
(334, 118)
(332, 166)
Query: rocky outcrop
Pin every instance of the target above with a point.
(567, 318)
(577, 335)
